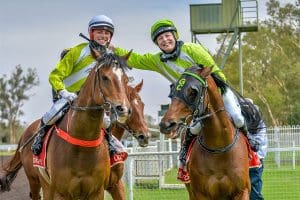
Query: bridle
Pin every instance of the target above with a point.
(200, 109)
(106, 59)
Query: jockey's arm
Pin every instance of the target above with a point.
(201, 56)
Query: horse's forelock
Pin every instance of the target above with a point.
(109, 58)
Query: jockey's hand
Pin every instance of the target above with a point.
(106, 120)
(97, 47)
(70, 96)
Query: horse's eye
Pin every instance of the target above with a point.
(192, 93)
(104, 78)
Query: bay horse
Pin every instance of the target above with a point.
(78, 170)
(218, 163)
(137, 127)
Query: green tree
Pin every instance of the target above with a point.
(271, 64)
(13, 94)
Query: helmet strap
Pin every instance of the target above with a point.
(164, 57)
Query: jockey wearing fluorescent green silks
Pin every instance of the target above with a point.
(70, 74)
(175, 56)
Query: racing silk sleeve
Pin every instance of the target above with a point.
(149, 62)
(190, 55)
(201, 56)
(70, 73)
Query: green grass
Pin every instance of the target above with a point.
(278, 184)
(281, 184)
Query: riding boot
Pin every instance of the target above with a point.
(116, 155)
(182, 171)
(38, 140)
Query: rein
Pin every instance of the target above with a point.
(219, 150)
(106, 106)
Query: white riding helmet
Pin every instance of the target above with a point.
(101, 21)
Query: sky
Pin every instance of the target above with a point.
(34, 32)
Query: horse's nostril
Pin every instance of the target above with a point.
(120, 108)
(166, 126)
(141, 137)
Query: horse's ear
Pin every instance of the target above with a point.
(205, 71)
(139, 86)
(127, 55)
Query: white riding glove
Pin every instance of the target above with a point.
(106, 120)
(70, 96)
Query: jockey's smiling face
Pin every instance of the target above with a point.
(101, 36)
(166, 42)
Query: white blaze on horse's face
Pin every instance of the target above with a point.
(118, 72)
(136, 102)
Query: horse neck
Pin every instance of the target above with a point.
(118, 131)
(86, 124)
(219, 122)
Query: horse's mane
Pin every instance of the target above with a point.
(220, 83)
(250, 112)
(108, 58)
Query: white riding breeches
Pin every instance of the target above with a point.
(55, 112)
(233, 107)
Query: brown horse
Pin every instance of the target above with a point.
(78, 171)
(136, 126)
(218, 161)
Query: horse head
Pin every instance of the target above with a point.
(136, 123)
(107, 88)
(188, 100)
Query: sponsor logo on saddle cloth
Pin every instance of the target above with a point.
(121, 155)
(253, 157)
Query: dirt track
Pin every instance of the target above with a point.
(20, 187)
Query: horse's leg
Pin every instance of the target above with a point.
(45, 190)
(116, 187)
(100, 195)
(117, 192)
(243, 195)
(35, 188)
(194, 194)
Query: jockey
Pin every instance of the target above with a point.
(174, 58)
(70, 74)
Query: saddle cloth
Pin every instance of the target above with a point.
(40, 160)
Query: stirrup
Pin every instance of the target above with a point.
(183, 176)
